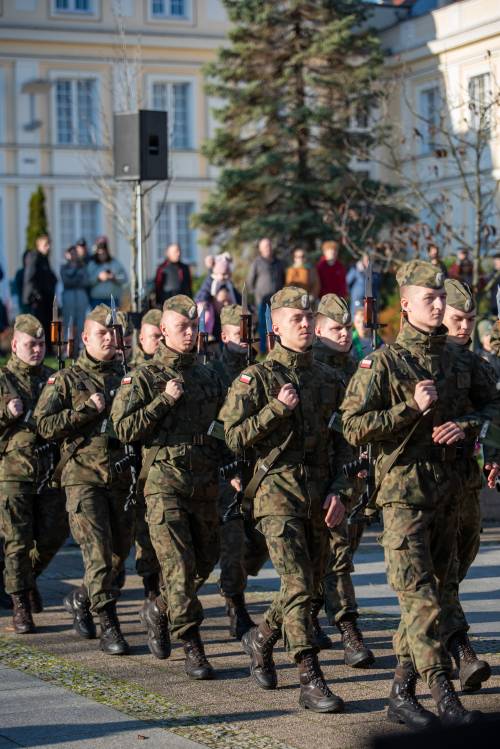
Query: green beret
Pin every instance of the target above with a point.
(152, 317)
(101, 314)
(123, 320)
(420, 273)
(484, 327)
(182, 304)
(29, 324)
(230, 315)
(459, 295)
(291, 296)
(335, 308)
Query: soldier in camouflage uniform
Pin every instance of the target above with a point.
(421, 408)
(243, 549)
(149, 338)
(33, 525)
(493, 357)
(281, 408)
(332, 347)
(74, 409)
(459, 318)
(168, 405)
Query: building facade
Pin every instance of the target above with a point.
(65, 67)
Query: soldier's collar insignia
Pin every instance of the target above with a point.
(365, 363)
(126, 380)
(246, 378)
(192, 312)
(304, 301)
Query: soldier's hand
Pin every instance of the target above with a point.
(425, 394)
(335, 510)
(236, 483)
(288, 396)
(493, 471)
(15, 407)
(98, 400)
(174, 389)
(447, 434)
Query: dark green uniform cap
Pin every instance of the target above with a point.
(152, 317)
(182, 304)
(101, 314)
(420, 273)
(29, 324)
(459, 295)
(230, 315)
(336, 308)
(291, 296)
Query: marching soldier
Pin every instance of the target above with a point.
(243, 549)
(281, 408)
(413, 399)
(33, 523)
(74, 409)
(459, 318)
(168, 405)
(332, 347)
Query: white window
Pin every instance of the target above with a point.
(76, 111)
(175, 98)
(480, 97)
(74, 6)
(174, 226)
(78, 218)
(429, 121)
(170, 9)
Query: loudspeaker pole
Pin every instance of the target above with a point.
(139, 291)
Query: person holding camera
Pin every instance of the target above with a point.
(106, 275)
(76, 284)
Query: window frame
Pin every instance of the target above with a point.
(169, 81)
(73, 12)
(77, 220)
(167, 15)
(74, 76)
(430, 143)
(473, 117)
(188, 257)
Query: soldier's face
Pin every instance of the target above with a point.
(150, 337)
(295, 327)
(231, 337)
(334, 335)
(179, 332)
(460, 325)
(29, 350)
(99, 341)
(424, 307)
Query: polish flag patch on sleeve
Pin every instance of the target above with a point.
(246, 378)
(365, 363)
(126, 380)
(51, 380)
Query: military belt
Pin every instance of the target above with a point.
(437, 454)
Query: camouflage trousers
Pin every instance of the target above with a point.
(146, 562)
(104, 532)
(298, 551)
(185, 536)
(420, 553)
(243, 548)
(34, 527)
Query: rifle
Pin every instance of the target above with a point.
(131, 458)
(70, 341)
(270, 334)
(246, 324)
(365, 461)
(56, 334)
(202, 342)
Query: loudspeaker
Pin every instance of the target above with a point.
(140, 147)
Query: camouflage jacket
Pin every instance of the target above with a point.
(229, 366)
(379, 407)
(18, 437)
(299, 481)
(65, 413)
(341, 361)
(139, 358)
(142, 412)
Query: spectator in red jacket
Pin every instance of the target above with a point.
(331, 272)
(172, 276)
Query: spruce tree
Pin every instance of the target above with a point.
(37, 220)
(290, 79)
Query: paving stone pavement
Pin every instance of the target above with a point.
(232, 711)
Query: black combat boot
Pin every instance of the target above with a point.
(112, 640)
(196, 664)
(314, 692)
(258, 643)
(5, 599)
(21, 616)
(471, 671)
(356, 654)
(239, 618)
(151, 586)
(154, 617)
(36, 602)
(321, 639)
(450, 710)
(77, 604)
(403, 704)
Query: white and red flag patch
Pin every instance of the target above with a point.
(126, 380)
(51, 380)
(365, 363)
(246, 378)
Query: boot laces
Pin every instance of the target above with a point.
(408, 685)
(315, 675)
(267, 648)
(352, 634)
(450, 697)
(197, 652)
